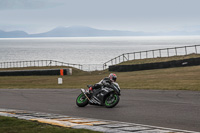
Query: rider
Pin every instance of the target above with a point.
(109, 81)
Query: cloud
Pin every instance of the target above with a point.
(140, 15)
(28, 4)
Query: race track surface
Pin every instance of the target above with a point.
(170, 109)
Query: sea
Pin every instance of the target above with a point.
(85, 50)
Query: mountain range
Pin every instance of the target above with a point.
(83, 31)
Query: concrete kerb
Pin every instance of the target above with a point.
(87, 123)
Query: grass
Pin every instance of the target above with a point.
(183, 78)
(14, 125)
(180, 78)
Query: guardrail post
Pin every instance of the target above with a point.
(196, 49)
(128, 56)
(176, 51)
(168, 52)
(146, 54)
(140, 55)
(134, 55)
(153, 53)
(185, 50)
(160, 52)
(50, 62)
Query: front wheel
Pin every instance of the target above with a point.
(81, 100)
(112, 100)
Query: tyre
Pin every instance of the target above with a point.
(81, 100)
(111, 101)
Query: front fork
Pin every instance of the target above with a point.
(83, 91)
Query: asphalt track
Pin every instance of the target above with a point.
(170, 109)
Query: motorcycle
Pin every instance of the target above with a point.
(104, 96)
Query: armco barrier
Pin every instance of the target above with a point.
(166, 52)
(40, 72)
(159, 65)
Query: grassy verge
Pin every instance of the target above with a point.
(14, 125)
(182, 78)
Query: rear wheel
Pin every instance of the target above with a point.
(81, 100)
(112, 100)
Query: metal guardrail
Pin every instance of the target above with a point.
(166, 52)
(46, 63)
(37, 63)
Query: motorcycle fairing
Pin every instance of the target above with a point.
(99, 95)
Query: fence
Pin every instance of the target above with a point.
(37, 63)
(166, 52)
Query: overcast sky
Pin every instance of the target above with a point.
(34, 16)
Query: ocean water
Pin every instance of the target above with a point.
(85, 50)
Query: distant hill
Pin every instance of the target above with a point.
(83, 31)
(13, 34)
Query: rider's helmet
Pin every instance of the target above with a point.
(113, 77)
